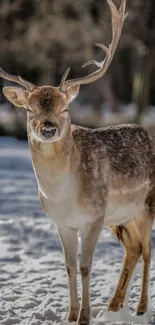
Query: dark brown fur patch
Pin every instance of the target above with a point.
(118, 231)
(125, 278)
(68, 271)
(46, 98)
(84, 271)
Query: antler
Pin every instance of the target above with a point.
(17, 79)
(118, 17)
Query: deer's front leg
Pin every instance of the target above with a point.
(69, 241)
(89, 237)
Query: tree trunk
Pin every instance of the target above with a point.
(142, 94)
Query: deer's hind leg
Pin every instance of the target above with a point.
(132, 246)
(135, 237)
(144, 222)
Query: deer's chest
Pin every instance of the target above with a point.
(65, 213)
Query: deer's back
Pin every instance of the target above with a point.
(128, 150)
(115, 171)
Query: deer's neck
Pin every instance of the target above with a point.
(51, 161)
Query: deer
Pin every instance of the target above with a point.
(91, 178)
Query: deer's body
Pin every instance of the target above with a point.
(88, 179)
(95, 174)
(96, 178)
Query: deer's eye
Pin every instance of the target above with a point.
(64, 111)
(29, 111)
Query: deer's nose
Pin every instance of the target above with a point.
(48, 129)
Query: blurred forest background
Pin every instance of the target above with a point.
(41, 38)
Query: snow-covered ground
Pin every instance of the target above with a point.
(33, 281)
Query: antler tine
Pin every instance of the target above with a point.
(63, 79)
(30, 86)
(117, 18)
(17, 79)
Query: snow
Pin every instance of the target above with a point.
(33, 281)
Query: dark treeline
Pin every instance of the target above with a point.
(40, 39)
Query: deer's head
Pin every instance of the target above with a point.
(47, 106)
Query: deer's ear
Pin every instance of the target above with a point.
(16, 95)
(72, 92)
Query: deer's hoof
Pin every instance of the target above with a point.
(115, 305)
(142, 308)
(84, 317)
(73, 315)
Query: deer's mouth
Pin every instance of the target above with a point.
(48, 133)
